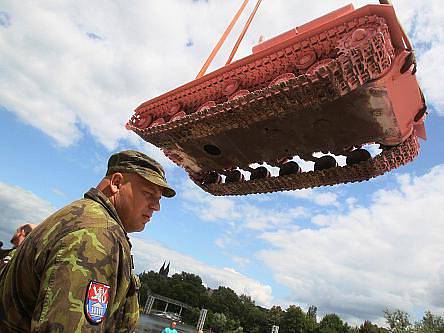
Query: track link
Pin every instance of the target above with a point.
(354, 65)
(326, 84)
(389, 159)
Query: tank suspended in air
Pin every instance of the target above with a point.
(333, 85)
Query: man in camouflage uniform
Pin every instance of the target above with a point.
(18, 238)
(21, 233)
(73, 273)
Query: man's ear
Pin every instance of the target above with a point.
(115, 182)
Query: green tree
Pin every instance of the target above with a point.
(233, 325)
(368, 327)
(224, 300)
(151, 282)
(191, 316)
(331, 323)
(188, 288)
(293, 320)
(237, 330)
(218, 322)
(312, 313)
(311, 324)
(274, 317)
(253, 318)
(398, 321)
(430, 323)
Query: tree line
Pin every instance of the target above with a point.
(230, 313)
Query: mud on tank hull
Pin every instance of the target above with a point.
(332, 85)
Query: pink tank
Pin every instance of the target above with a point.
(332, 85)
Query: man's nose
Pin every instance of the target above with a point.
(155, 205)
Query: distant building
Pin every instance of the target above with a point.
(164, 270)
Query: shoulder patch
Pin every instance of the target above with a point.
(96, 302)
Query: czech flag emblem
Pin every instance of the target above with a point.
(96, 301)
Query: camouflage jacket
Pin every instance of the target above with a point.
(73, 273)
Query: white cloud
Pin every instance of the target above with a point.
(17, 207)
(222, 241)
(425, 23)
(319, 197)
(435, 290)
(386, 255)
(241, 261)
(228, 240)
(150, 256)
(240, 212)
(59, 192)
(265, 219)
(207, 207)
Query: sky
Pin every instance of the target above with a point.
(71, 74)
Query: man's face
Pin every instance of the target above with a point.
(18, 237)
(173, 324)
(136, 201)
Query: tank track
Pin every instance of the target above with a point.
(328, 83)
(354, 66)
(389, 159)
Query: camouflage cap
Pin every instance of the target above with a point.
(144, 166)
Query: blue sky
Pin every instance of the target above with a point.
(70, 76)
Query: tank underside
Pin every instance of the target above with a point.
(389, 159)
(340, 102)
(272, 126)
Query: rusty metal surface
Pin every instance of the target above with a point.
(389, 159)
(329, 127)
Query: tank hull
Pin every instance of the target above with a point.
(341, 83)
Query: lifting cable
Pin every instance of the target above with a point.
(221, 41)
(247, 24)
(225, 35)
(241, 36)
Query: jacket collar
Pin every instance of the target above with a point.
(99, 197)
